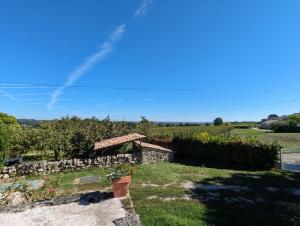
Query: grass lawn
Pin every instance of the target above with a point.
(60, 184)
(160, 199)
(289, 141)
(169, 194)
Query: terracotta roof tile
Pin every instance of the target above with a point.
(117, 141)
(152, 146)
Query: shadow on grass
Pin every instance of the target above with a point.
(189, 162)
(246, 199)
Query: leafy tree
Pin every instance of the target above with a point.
(8, 127)
(81, 144)
(7, 119)
(4, 143)
(295, 118)
(145, 127)
(273, 116)
(218, 121)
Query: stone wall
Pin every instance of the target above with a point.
(48, 167)
(153, 156)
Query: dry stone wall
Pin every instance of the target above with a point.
(48, 167)
(153, 156)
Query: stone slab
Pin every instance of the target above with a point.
(87, 180)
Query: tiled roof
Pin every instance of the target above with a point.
(151, 146)
(117, 141)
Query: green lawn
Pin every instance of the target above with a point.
(158, 196)
(289, 141)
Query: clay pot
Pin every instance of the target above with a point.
(120, 187)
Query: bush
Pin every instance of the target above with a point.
(285, 127)
(229, 152)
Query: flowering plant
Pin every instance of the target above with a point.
(120, 170)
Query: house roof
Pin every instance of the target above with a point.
(117, 141)
(151, 146)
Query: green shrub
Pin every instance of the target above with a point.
(229, 152)
(289, 126)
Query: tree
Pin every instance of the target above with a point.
(7, 119)
(273, 116)
(145, 126)
(294, 117)
(218, 121)
(8, 127)
(4, 143)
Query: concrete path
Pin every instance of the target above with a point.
(74, 214)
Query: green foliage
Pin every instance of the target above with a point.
(8, 127)
(218, 121)
(189, 131)
(120, 170)
(67, 137)
(4, 142)
(145, 127)
(7, 119)
(125, 148)
(295, 118)
(290, 124)
(227, 151)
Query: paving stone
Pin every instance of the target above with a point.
(87, 179)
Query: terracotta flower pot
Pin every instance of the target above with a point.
(120, 187)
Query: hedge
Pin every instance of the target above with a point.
(229, 153)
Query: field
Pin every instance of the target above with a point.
(289, 141)
(178, 194)
(189, 130)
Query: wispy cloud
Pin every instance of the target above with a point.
(143, 8)
(8, 95)
(104, 50)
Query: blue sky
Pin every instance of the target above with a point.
(168, 60)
